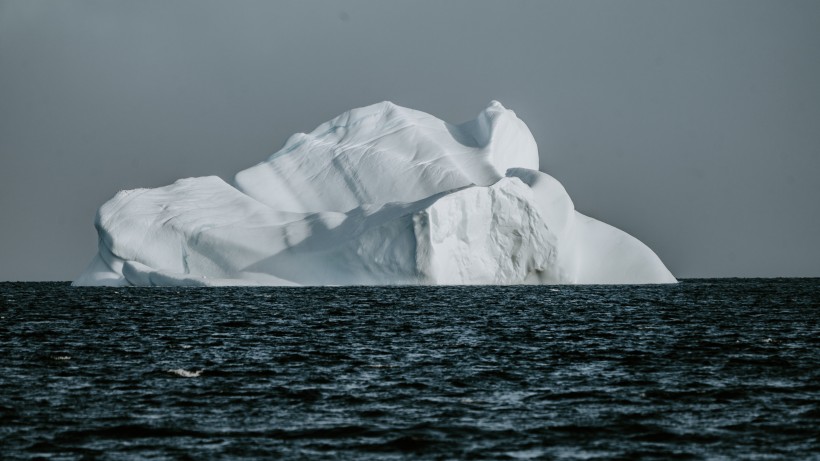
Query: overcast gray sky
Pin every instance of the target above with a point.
(694, 125)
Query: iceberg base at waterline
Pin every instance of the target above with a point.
(380, 195)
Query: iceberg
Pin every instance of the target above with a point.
(380, 195)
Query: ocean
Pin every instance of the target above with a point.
(705, 369)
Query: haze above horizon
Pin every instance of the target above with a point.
(691, 125)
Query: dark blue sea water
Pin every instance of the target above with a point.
(706, 369)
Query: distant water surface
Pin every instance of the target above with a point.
(706, 369)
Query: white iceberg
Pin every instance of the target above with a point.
(380, 195)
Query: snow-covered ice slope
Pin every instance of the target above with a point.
(379, 195)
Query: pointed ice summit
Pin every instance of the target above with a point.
(379, 195)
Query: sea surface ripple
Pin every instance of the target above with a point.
(706, 369)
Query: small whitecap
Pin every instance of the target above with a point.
(186, 346)
(185, 373)
(526, 454)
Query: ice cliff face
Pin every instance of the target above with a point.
(379, 195)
